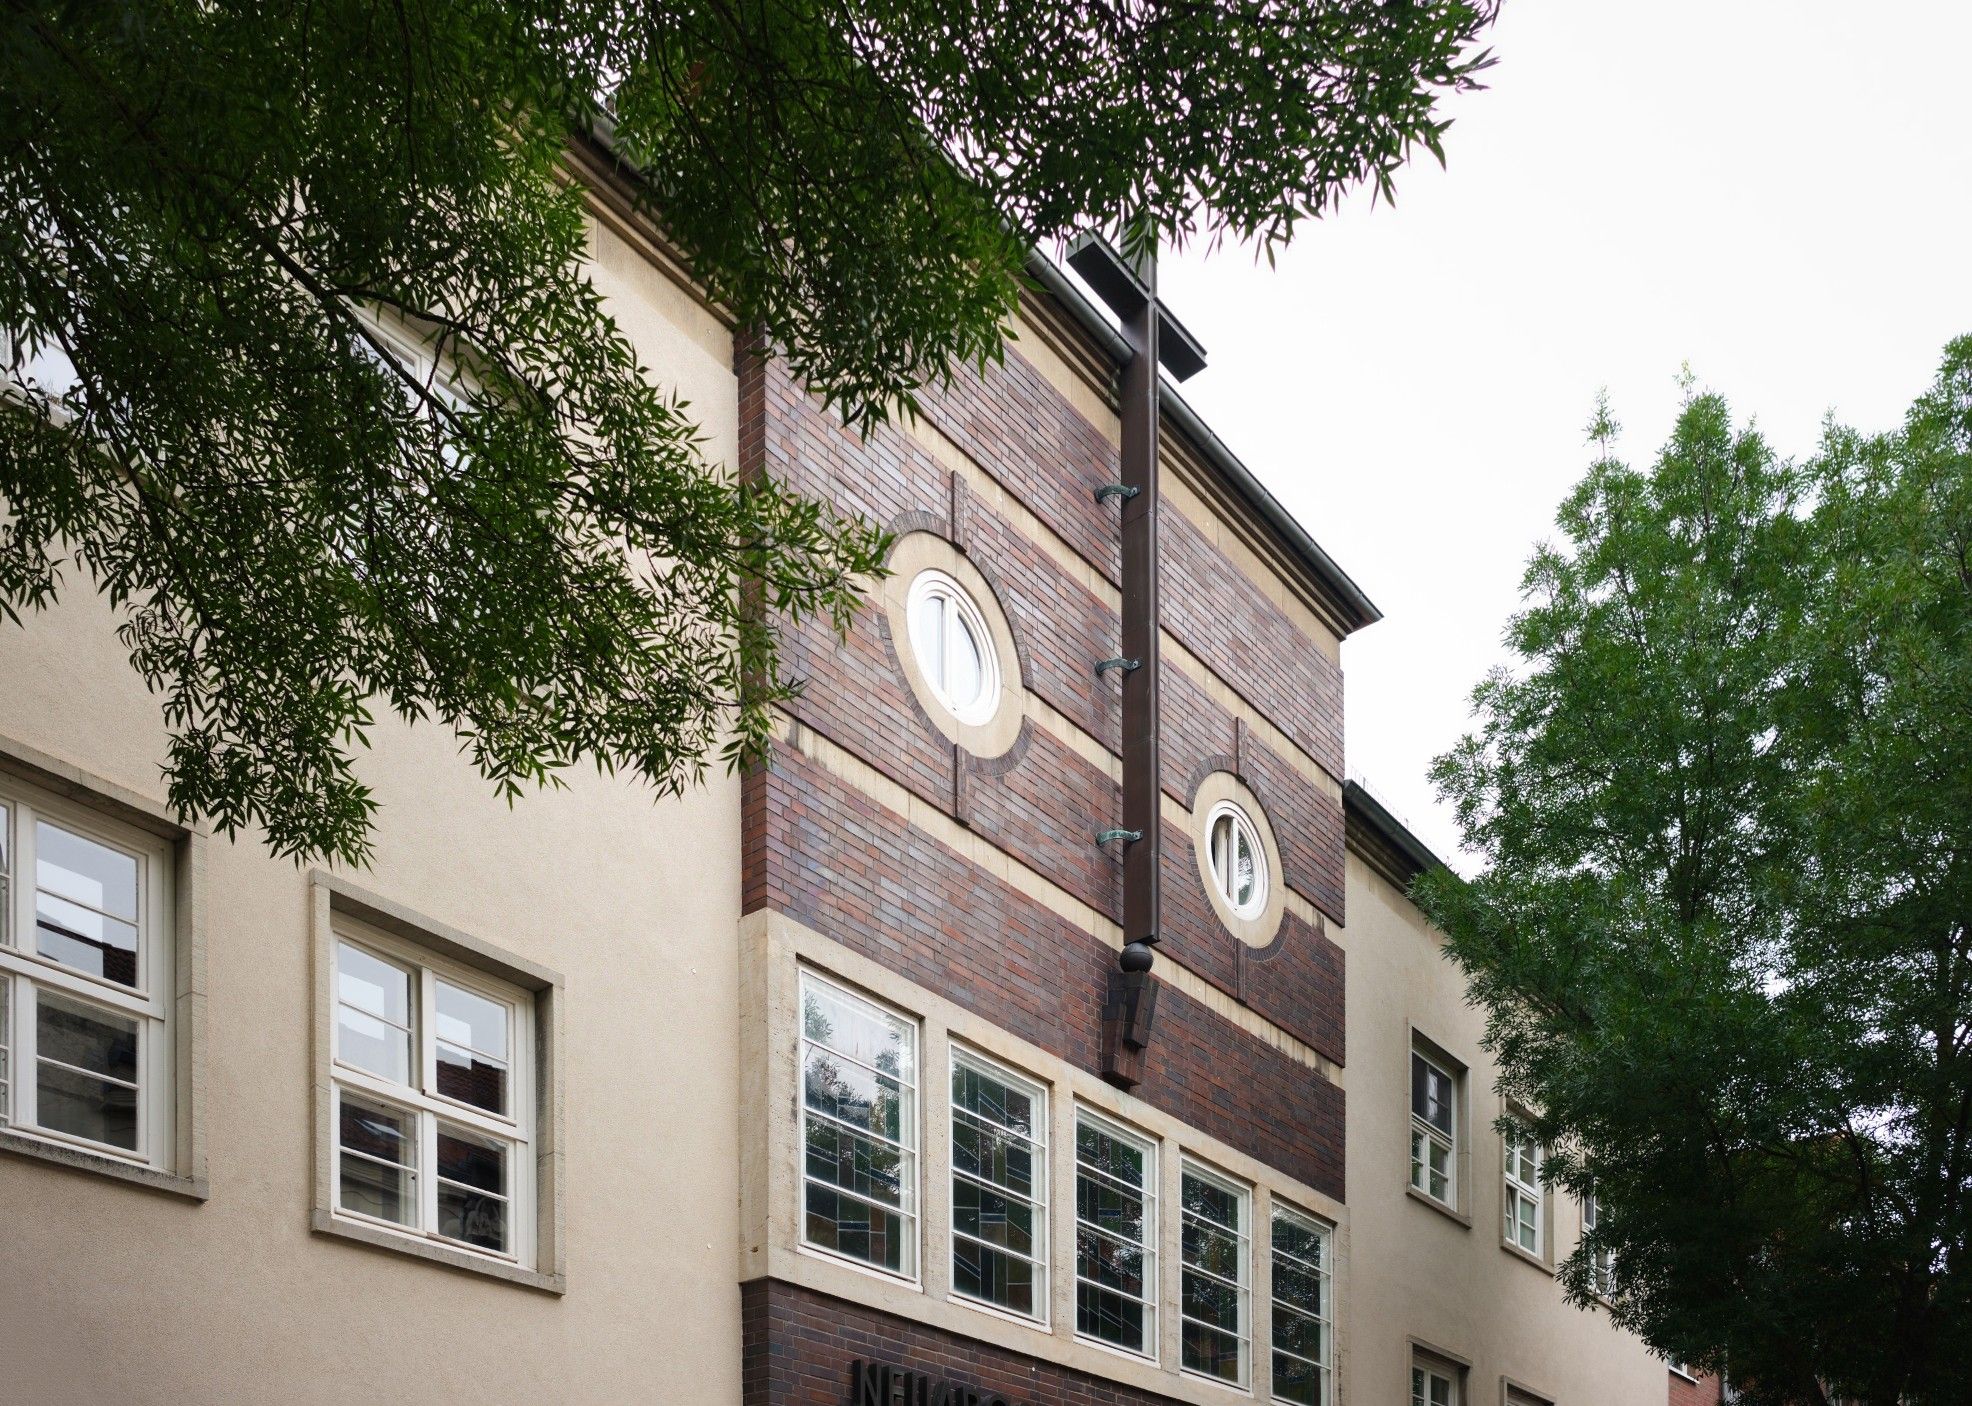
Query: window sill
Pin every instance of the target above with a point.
(326, 1223)
(1535, 1260)
(1439, 1206)
(82, 1160)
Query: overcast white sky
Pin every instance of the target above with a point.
(1778, 193)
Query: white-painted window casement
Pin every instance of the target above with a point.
(859, 1122)
(433, 1081)
(1524, 1226)
(1304, 1313)
(1216, 1282)
(1239, 860)
(86, 979)
(1434, 1129)
(999, 1187)
(954, 647)
(1115, 1235)
(1602, 1263)
(1433, 1385)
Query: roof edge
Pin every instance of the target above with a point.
(1356, 608)
(1391, 848)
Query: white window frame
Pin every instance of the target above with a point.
(1147, 1305)
(419, 1097)
(958, 610)
(1602, 1263)
(1243, 1288)
(1325, 1275)
(1422, 1130)
(1523, 1194)
(1041, 1260)
(1424, 1371)
(1244, 833)
(910, 1211)
(24, 973)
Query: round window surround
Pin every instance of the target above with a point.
(954, 644)
(1238, 859)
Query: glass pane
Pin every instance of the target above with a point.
(998, 1219)
(994, 1100)
(965, 676)
(1297, 1381)
(1209, 1301)
(88, 1037)
(1211, 1249)
(998, 1278)
(84, 939)
(6, 838)
(1211, 1201)
(855, 1163)
(1110, 1208)
(1211, 1351)
(856, 1229)
(1441, 1391)
(6, 1049)
(472, 1188)
(1111, 1263)
(472, 1078)
(1431, 1094)
(368, 1043)
(471, 1021)
(1222, 846)
(1245, 871)
(1110, 1318)
(849, 1027)
(1297, 1287)
(371, 984)
(87, 1107)
(1302, 1239)
(1298, 1334)
(376, 1189)
(854, 1095)
(79, 869)
(1110, 1155)
(375, 1131)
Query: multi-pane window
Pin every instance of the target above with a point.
(954, 648)
(1432, 1386)
(1216, 1278)
(434, 1098)
(1434, 1130)
(1523, 1189)
(999, 1187)
(858, 1128)
(1303, 1338)
(1115, 1236)
(86, 979)
(1239, 862)
(1602, 1263)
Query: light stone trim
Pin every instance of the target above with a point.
(773, 950)
(919, 552)
(187, 1176)
(1260, 929)
(331, 895)
(858, 774)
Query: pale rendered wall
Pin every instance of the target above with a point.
(1417, 1273)
(110, 1292)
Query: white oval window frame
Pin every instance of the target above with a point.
(1242, 828)
(1257, 922)
(998, 725)
(962, 610)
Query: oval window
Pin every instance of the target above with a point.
(1239, 862)
(954, 647)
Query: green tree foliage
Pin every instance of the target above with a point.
(218, 220)
(1723, 936)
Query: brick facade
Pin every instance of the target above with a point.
(800, 1346)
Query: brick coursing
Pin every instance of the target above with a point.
(1250, 642)
(799, 1345)
(1307, 824)
(831, 858)
(1297, 982)
(1706, 1391)
(1045, 802)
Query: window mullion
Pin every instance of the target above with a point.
(427, 1172)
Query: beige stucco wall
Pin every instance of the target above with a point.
(1418, 1274)
(113, 1292)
